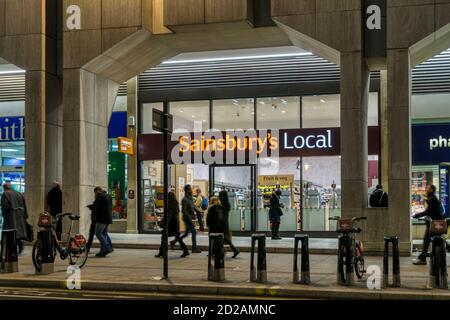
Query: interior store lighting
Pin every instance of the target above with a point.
(12, 72)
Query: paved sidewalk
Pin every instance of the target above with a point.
(139, 271)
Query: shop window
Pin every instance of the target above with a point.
(187, 113)
(321, 192)
(146, 120)
(233, 114)
(152, 195)
(321, 111)
(372, 117)
(278, 113)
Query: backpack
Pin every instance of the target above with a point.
(204, 203)
(375, 198)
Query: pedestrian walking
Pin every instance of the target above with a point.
(188, 211)
(173, 230)
(216, 221)
(275, 214)
(15, 215)
(54, 203)
(433, 211)
(102, 214)
(228, 235)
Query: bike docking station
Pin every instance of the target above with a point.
(438, 262)
(46, 250)
(396, 283)
(258, 274)
(9, 256)
(216, 271)
(305, 275)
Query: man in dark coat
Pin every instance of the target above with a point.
(275, 214)
(433, 211)
(188, 210)
(54, 203)
(15, 215)
(102, 213)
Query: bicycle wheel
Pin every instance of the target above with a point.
(77, 251)
(342, 262)
(359, 262)
(36, 255)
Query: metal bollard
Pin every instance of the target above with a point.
(46, 252)
(258, 274)
(305, 275)
(395, 262)
(216, 250)
(9, 257)
(438, 270)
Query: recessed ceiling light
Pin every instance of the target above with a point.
(262, 102)
(322, 100)
(193, 116)
(252, 113)
(283, 111)
(181, 110)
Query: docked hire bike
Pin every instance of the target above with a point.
(74, 248)
(350, 250)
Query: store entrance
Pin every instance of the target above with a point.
(238, 181)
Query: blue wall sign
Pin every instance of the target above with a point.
(117, 125)
(430, 144)
(12, 129)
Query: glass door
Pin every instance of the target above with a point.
(238, 181)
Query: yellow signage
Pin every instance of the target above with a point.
(275, 180)
(126, 145)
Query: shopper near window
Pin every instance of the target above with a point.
(15, 215)
(225, 204)
(189, 213)
(433, 210)
(275, 214)
(102, 210)
(174, 225)
(54, 203)
(200, 208)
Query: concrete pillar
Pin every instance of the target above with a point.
(88, 103)
(354, 109)
(399, 145)
(384, 136)
(132, 174)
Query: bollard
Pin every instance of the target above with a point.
(258, 274)
(395, 262)
(305, 276)
(9, 256)
(216, 250)
(46, 252)
(438, 264)
(347, 279)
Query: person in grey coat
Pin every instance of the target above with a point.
(14, 211)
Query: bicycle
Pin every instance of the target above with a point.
(438, 262)
(74, 248)
(350, 250)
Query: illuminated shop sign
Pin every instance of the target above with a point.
(430, 143)
(12, 129)
(249, 144)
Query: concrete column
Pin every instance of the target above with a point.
(88, 103)
(399, 145)
(354, 106)
(132, 174)
(383, 121)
